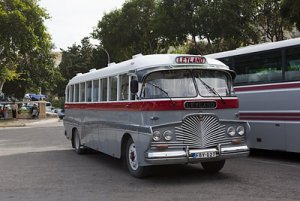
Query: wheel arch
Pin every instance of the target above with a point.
(124, 141)
(72, 136)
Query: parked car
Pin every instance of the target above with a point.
(61, 114)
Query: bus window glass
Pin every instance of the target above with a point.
(82, 92)
(169, 83)
(293, 64)
(95, 90)
(212, 83)
(258, 68)
(71, 91)
(103, 92)
(68, 94)
(124, 84)
(88, 91)
(76, 92)
(113, 84)
(132, 96)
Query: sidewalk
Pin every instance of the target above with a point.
(25, 122)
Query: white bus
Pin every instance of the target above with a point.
(156, 110)
(268, 85)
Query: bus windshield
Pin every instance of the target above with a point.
(180, 83)
(169, 83)
(212, 83)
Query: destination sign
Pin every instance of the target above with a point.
(200, 105)
(190, 60)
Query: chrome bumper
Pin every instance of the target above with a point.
(188, 155)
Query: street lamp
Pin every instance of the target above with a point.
(108, 58)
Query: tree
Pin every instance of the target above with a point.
(270, 22)
(131, 30)
(25, 45)
(290, 11)
(79, 59)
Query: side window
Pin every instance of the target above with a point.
(82, 92)
(76, 93)
(71, 92)
(88, 90)
(262, 67)
(68, 94)
(95, 90)
(293, 64)
(103, 91)
(113, 87)
(124, 87)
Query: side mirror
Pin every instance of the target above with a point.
(134, 86)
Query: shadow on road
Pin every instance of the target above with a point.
(275, 155)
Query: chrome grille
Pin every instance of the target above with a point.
(201, 131)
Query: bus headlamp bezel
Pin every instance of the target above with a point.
(156, 136)
(240, 130)
(168, 135)
(231, 131)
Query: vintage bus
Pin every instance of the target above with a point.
(268, 86)
(155, 110)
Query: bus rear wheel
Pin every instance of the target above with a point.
(213, 166)
(132, 161)
(79, 149)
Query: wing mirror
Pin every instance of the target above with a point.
(134, 86)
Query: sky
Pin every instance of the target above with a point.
(72, 20)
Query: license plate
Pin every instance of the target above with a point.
(210, 154)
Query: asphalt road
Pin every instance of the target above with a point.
(38, 164)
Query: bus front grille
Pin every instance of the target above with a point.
(201, 131)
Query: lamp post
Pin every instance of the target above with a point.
(108, 58)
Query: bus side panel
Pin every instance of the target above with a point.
(267, 135)
(274, 118)
(70, 122)
(112, 127)
(293, 137)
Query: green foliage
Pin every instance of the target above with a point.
(131, 30)
(25, 47)
(290, 11)
(179, 26)
(79, 59)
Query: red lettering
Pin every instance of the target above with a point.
(190, 60)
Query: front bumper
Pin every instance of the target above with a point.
(186, 155)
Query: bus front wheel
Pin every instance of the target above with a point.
(213, 166)
(132, 161)
(79, 149)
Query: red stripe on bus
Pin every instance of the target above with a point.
(267, 87)
(269, 119)
(270, 116)
(147, 105)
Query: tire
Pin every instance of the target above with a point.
(132, 161)
(213, 166)
(79, 149)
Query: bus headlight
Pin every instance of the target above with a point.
(156, 136)
(168, 135)
(231, 131)
(240, 130)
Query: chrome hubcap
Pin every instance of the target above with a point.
(133, 161)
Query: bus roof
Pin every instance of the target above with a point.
(257, 48)
(139, 62)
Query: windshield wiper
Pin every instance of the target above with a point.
(212, 90)
(161, 89)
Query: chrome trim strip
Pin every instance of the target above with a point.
(166, 154)
(234, 149)
(184, 156)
